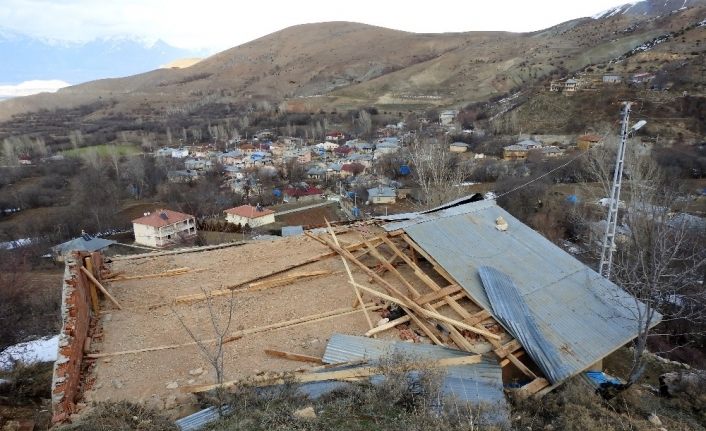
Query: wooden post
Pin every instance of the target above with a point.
(102, 289)
(95, 305)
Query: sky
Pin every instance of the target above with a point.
(214, 25)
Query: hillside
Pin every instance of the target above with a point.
(345, 65)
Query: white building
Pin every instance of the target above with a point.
(447, 117)
(250, 215)
(163, 228)
(382, 195)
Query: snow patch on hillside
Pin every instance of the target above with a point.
(41, 350)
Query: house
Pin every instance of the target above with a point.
(303, 156)
(335, 136)
(571, 85)
(250, 215)
(363, 159)
(447, 117)
(552, 151)
(565, 85)
(303, 192)
(361, 146)
(234, 172)
(612, 79)
(352, 169)
(316, 172)
(640, 78)
(520, 150)
(198, 164)
(163, 228)
(458, 147)
(180, 153)
(231, 158)
(85, 242)
(182, 176)
(382, 195)
(327, 146)
(24, 160)
(584, 142)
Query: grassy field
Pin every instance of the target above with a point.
(104, 150)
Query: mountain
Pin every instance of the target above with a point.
(26, 58)
(647, 8)
(343, 65)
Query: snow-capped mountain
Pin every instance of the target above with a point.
(25, 58)
(648, 8)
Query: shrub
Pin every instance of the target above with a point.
(121, 416)
(27, 382)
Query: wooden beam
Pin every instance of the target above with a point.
(169, 273)
(508, 348)
(432, 314)
(358, 296)
(431, 333)
(531, 388)
(293, 356)
(376, 254)
(439, 294)
(287, 279)
(95, 303)
(101, 288)
(505, 362)
(239, 334)
(347, 374)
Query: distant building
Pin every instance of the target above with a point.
(292, 230)
(585, 142)
(447, 117)
(458, 147)
(382, 195)
(520, 150)
(565, 85)
(83, 243)
(552, 151)
(163, 228)
(335, 136)
(640, 78)
(302, 193)
(612, 79)
(182, 176)
(250, 215)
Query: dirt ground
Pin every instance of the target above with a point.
(146, 375)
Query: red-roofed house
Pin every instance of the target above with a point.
(303, 194)
(250, 215)
(163, 228)
(335, 135)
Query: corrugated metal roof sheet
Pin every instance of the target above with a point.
(583, 315)
(511, 309)
(477, 383)
(200, 419)
(81, 244)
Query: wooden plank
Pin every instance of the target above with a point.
(101, 288)
(439, 294)
(169, 273)
(95, 303)
(293, 356)
(239, 334)
(508, 348)
(347, 374)
(358, 296)
(505, 362)
(287, 279)
(412, 290)
(432, 314)
(431, 333)
(531, 388)
(404, 319)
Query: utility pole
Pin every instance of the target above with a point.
(612, 219)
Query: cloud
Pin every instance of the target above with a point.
(28, 88)
(220, 24)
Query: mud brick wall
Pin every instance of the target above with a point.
(76, 318)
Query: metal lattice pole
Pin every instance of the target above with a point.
(612, 219)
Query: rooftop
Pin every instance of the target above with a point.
(162, 217)
(249, 211)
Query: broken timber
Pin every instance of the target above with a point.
(100, 287)
(293, 356)
(347, 374)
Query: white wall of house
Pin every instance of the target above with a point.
(164, 236)
(252, 222)
(383, 199)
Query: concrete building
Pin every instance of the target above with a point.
(447, 117)
(520, 150)
(163, 228)
(250, 215)
(382, 195)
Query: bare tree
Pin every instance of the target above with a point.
(212, 349)
(438, 171)
(662, 260)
